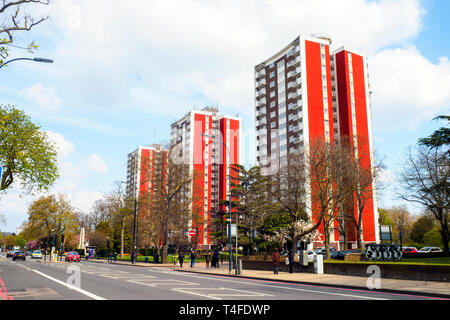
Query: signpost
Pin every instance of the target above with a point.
(385, 233)
(192, 233)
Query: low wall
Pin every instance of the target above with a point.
(392, 271)
(427, 255)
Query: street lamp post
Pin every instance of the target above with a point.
(134, 242)
(29, 59)
(229, 208)
(61, 247)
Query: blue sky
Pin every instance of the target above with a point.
(124, 71)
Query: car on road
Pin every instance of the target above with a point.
(72, 256)
(37, 254)
(11, 253)
(29, 252)
(429, 250)
(19, 255)
(409, 250)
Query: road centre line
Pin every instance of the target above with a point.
(287, 288)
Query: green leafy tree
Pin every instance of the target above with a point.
(249, 199)
(26, 153)
(423, 225)
(15, 20)
(433, 238)
(440, 137)
(50, 215)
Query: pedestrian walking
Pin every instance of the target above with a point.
(215, 259)
(275, 260)
(207, 258)
(291, 261)
(193, 256)
(180, 259)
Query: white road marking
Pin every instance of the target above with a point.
(288, 288)
(133, 276)
(161, 282)
(86, 293)
(238, 293)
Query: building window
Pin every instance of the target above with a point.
(272, 74)
(272, 94)
(272, 84)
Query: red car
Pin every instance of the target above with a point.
(73, 256)
(409, 250)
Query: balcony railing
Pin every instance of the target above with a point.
(260, 73)
(260, 93)
(260, 112)
(261, 102)
(260, 84)
(260, 122)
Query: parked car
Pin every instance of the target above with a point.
(339, 255)
(37, 254)
(19, 255)
(72, 256)
(29, 252)
(311, 255)
(323, 251)
(409, 250)
(429, 250)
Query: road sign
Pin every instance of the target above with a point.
(192, 233)
(233, 230)
(385, 232)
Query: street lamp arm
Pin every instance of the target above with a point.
(30, 59)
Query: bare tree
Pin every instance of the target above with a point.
(363, 175)
(13, 21)
(171, 198)
(402, 221)
(425, 180)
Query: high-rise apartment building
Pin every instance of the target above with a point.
(143, 165)
(351, 99)
(201, 136)
(304, 93)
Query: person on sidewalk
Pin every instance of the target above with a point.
(291, 261)
(193, 256)
(215, 259)
(181, 259)
(207, 258)
(275, 260)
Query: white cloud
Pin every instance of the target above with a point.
(43, 97)
(407, 88)
(64, 146)
(95, 163)
(190, 47)
(84, 199)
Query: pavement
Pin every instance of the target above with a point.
(434, 288)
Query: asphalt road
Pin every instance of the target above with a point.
(32, 279)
